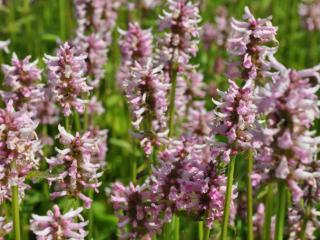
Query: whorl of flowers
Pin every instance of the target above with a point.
(248, 43)
(66, 78)
(80, 168)
(56, 225)
(180, 42)
(146, 92)
(136, 211)
(188, 180)
(5, 227)
(4, 46)
(19, 149)
(289, 147)
(235, 115)
(22, 77)
(217, 34)
(309, 12)
(135, 46)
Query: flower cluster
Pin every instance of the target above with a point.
(22, 77)
(81, 166)
(19, 150)
(5, 228)
(146, 93)
(248, 42)
(309, 12)
(180, 43)
(236, 115)
(288, 146)
(135, 46)
(135, 208)
(56, 225)
(66, 78)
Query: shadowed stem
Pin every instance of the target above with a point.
(227, 201)
(16, 213)
(268, 213)
(206, 232)
(281, 211)
(249, 195)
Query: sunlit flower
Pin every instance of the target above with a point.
(56, 225)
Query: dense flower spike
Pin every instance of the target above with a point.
(4, 46)
(22, 77)
(56, 225)
(66, 78)
(309, 12)
(180, 43)
(289, 146)
(81, 168)
(5, 228)
(236, 115)
(146, 92)
(136, 211)
(135, 46)
(248, 43)
(19, 150)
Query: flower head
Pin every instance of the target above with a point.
(56, 225)
(19, 149)
(309, 12)
(248, 41)
(81, 169)
(5, 228)
(66, 78)
(135, 209)
(22, 77)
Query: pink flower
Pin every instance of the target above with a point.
(19, 150)
(236, 115)
(248, 42)
(180, 43)
(76, 167)
(66, 78)
(135, 46)
(59, 226)
(23, 78)
(136, 211)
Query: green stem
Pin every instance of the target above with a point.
(90, 235)
(67, 124)
(268, 213)
(176, 227)
(249, 196)
(167, 231)
(206, 232)
(200, 230)
(173, 77)
(16, 213)
(281, 211)
(227, 201)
